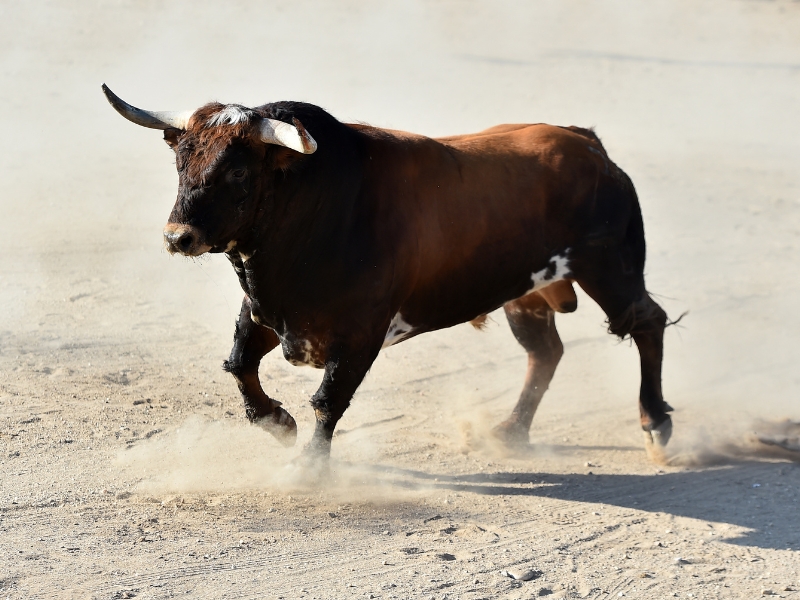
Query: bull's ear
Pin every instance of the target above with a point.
(172, 136)
(284, 158)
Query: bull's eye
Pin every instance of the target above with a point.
(239, 173)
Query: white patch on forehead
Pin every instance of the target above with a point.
(556, 270)
(398, 331)
(230, 115)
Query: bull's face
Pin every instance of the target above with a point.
(225, 157)
(221, 185)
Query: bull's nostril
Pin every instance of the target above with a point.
(183, 239)
(185, 242)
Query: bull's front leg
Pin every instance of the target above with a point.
(250, 343)
(344, 372)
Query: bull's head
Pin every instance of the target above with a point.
(220, 154)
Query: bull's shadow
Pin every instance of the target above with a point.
(750, 494)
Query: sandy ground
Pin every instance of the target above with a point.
(126, 466)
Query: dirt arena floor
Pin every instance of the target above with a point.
(127, 468)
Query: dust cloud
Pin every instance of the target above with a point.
(204, 456)
(759, 440)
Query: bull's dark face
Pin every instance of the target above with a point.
(221, 185)
(226, 157)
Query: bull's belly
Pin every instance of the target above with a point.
(419, 316)
(398, 330)
(413, 320)
(302, 351)
(299, 349)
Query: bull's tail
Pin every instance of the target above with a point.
(634, 232)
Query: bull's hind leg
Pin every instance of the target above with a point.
(250, 343)
(620, 292)
(647, 330)
(533, 324)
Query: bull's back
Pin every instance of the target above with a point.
(511, 175)
(516, 190)
(482, 212)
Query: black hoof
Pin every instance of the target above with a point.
(659, 436)
(281, 425)
(655, 441)
(304, 472)
(511, 433)
(316, 452)
(313, 463)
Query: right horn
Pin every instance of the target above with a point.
(291, 136)
(146, 118)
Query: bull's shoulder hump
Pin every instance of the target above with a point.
(382, 133)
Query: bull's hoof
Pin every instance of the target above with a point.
(511, 433)
(309, 468)
(315, 453)
(281, 425)
(655, 441)
(660, 435)
(304, 472)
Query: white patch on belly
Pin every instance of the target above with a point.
(556, 270)
(300, 353)
(398, 330)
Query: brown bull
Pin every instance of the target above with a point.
(347, 239)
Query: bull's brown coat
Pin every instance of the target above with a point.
(381, 235)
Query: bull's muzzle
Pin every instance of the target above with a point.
(184, 239)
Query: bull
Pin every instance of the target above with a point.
(348, 238)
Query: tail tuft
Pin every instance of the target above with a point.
(480, 323)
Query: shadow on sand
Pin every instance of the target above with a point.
(749, 494)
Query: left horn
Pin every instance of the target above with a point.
(291, 136)
(146, 118)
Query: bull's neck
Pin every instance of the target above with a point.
(303, 241)
(308, 223)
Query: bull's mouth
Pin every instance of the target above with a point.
(227, 248)
(185, 240)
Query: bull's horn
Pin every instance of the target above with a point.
(292, 136)
(145, 118)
